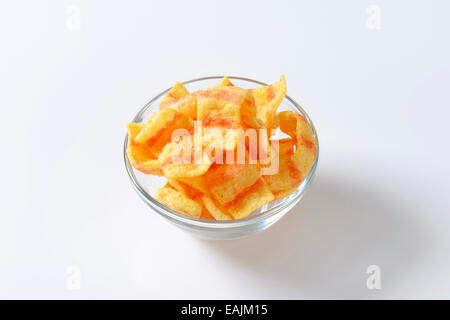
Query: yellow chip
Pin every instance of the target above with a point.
(288, 176)
(271, 164)
(252, 199)
(140, 157)
(150, 167)
(205, 212)
(305, 154)
(267, 100)
(198, 183)
(158, 132)
(152, 116)
(223, 111)
(184, 188)
(179, 202)
(186, 105)
(225, 105)
(285, 146)
(178, 91)
(227, 181)
(294, 162)
(255, 123)
(225, 82)
(134, 150)
(298, 127)
(219, 139)
(179, 161)
(288, 122)
(215, 211)
(284, 193)
(255, 198)
(220, 105)
(264, 148)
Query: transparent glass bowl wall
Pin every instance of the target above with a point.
(147, 185)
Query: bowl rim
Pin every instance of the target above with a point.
(172, 214)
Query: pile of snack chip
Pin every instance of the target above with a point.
(210, 182)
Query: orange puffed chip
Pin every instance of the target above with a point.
(179, 202)
(267, 100)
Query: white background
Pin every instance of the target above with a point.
(379, 99)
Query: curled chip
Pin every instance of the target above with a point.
(296, 155)
(288, 176)
(305, 141)
(179, 202)
(158, 132)
(139, 155)
(267, 100)
(288, 123)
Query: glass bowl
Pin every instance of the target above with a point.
(147, 185)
